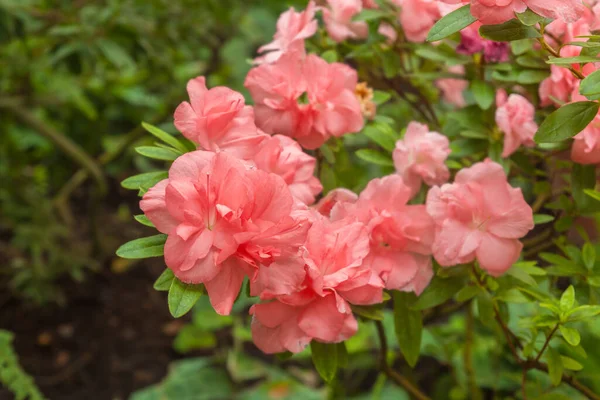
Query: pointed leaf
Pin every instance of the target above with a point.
(152, 246)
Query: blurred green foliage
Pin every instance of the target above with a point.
(86, 73)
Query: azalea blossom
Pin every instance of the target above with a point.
(281, 155)
(401, 235)
(479, 217)
(421, 157)
(331, 107)
(224, 221)
(491, 12)
(515, 118)
(218, 120)
(336, 278)
(453, 88)
(292, 29)
(338, 18)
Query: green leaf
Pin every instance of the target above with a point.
(570, 335)
(152, 246)
(454, 22)
(570, 364)
(522, 275)
(566, 122)
(330, 56)
(467, 293)
(369, 15)
(381, 136)
(439, 291)
(369, 312)
(380, 97)
(165, 137)
(589, 255)
(567, 300)
(158, 153)
(146, 180)
(509, 31)
(483, 93)
(142, 219)
(572, 60)
(375, 157)
(182, 297)
(590, 86)
(583, 312)
(325, 359)
(529, 18)
(409, 326)
(164, 281)
(191, 337)
(592, 193)
(342, 355)
(540, 219)
(555, 365)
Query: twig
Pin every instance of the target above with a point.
(393, 375)
(556, 54)
(569, 380)
(545, 346)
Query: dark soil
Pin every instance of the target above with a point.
(112, 338)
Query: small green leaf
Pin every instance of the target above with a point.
(529, 18)
(439, 291)
(164, 281)
(483, 93)
(342, 355)
(142, 219)
(375, 157)
(165, 137)
(152, 246)
(454, 22)
(570, 335)
(590, 86)
(158, 153)
(540, 219)
(509, 31)
(373, 312)
(146, 180)
(567, 300)
(467, 293)
(182, 297)
(583, 177)
(555, 365)
(380, 97)
(566, 122)
(369, 15)
(381, 136)
(522, 275)
(589, 255)
(570, 364)
(583, 312)
(330, 56)
(592, 193)
(409, 326)
(572, 60)
(325, 359)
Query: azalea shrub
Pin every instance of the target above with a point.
(426, 159)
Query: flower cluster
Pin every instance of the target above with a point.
(242, 205)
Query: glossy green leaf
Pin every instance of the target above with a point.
(165, 137)
(158, 153)
(570, 335)
(375, 157)
(146, 180)
(540, 219)
(164, 281)
(325, 359)
(567, 299)
(508, 31)
(409, 326)
(152, 246)
(555, 366)
(454, 22)
(589, 255)
(142, 219)
(182, 297)
(484, 94)
(566, 122)
(438, 292)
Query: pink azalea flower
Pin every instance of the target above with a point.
(421, 156)
(332, 108)
(336, 278)
(292, 29)
(281, 155)
(480, 216)
(326, 204)
(515, 118)
(401, 235)
(491, 12)
(224, 220)
(417, 17)
(217, 119)
(452, 88)
(471, 42)
(369, 4)
(338, 20)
